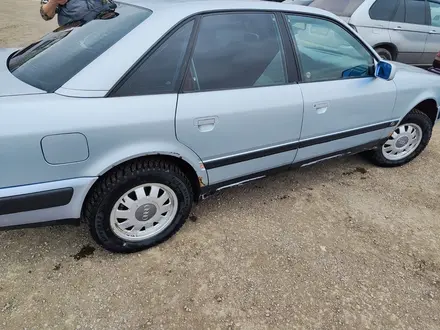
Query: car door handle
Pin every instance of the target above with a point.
(320, 107)
(397, 28)
(432, 32)
(206, 124)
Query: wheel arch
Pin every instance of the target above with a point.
(424, 101)
(392, 48)
(197, 182)
(430, 108)
(186, 160)
(426, 105)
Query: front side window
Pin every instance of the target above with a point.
(434, 8)
(415, 12)
(338, 7)
(50, 62)
(327, 51)
(383, 10)
(160, 72)
(236, 50)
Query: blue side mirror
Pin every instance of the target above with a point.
(385, 70)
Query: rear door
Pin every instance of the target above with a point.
(240, 109)
(432, 46)
(375, 30)
(345, 106)
(408, 31)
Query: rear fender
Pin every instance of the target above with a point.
(133, 151)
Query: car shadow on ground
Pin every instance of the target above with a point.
(77, 242)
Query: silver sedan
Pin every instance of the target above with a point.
(128, 119)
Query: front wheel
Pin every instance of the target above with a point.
(408, 140)
(139, 205)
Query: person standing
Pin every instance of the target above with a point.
(74, 10)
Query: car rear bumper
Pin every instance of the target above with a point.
(43, 202)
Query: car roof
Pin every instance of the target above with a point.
(190, 7)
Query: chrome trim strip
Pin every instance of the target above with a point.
(286, 147)
(241, 182)
(392, 121)
(251, 152)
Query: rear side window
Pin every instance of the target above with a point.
(236, 50)
(383, 10)
(338, 7)
(58, 56)
(160, 72)
(415, 12)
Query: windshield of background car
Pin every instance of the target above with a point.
(50, 62)
(338, 7)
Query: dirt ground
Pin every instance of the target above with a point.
(341, 245)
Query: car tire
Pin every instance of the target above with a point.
(384, 53)
(132, 191)
(417, 124)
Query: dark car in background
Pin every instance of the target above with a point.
(436, 64)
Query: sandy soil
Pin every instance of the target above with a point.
(341, 245)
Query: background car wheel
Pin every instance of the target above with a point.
(384, 53)
(408, 140)
(138, 206)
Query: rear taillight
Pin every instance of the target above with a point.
(438, 54)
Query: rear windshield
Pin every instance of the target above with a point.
(50, 62)
(338, 7)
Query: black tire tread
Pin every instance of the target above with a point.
(122, 174)
(376, 157)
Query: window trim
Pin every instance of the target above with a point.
(292, 73)
(292, 69)
(291, 53)
(302, 81)
(401, 3)
(127, 75)
(427, 13)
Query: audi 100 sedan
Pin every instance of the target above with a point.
(127, 120)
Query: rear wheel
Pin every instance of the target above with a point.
(384, 53)
(138, 205)
(408, 140)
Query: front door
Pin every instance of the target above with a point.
(237, 110)
(345, 106)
